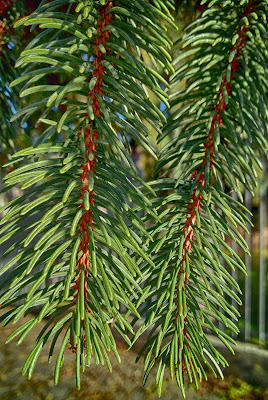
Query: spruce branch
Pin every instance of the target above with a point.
(217, 136)
(82, 242)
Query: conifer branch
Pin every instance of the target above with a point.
(89, 162)
(84, 241)
(210, 149)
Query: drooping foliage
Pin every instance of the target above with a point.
(84, 244)
(88, 235)
(217, 138)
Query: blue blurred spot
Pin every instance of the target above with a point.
(162, 106)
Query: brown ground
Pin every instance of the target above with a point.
(98, 383)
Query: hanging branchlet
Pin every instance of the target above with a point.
(89, 162)
(214, 125)
(82, 241)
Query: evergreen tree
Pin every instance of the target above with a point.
(96, 236)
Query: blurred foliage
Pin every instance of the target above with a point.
(232, 388)
(13, 136)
